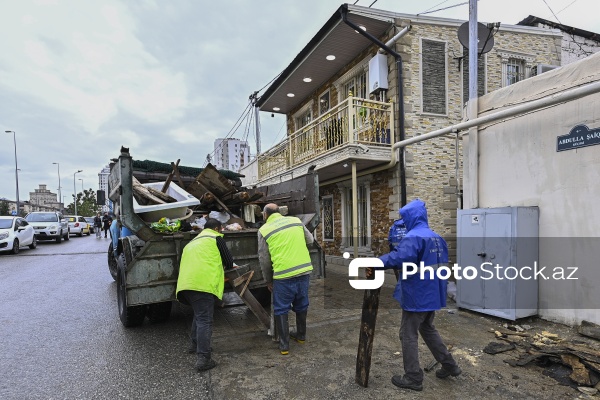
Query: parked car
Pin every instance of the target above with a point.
(90, 221)
(48, 225)
(78, 225)
(14, 233)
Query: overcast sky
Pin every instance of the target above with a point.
(78, 79)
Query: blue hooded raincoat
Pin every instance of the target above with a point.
(419, 244)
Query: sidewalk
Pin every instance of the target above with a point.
(250, 366)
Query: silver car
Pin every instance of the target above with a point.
(48, 225)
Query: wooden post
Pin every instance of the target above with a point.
(169, 179)
(367, 333)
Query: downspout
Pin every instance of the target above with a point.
(400, 94)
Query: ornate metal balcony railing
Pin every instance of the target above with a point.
(354, 120)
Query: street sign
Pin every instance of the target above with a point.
(14, 212)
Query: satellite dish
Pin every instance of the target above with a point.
(485, 39)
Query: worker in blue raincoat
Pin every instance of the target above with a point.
(420, 298)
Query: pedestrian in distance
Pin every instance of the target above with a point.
(106, 221)
(286, 266)
(200, 282)
(98, 225)
(420, 298)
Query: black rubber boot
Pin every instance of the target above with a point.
(299, 335)
(284, 333)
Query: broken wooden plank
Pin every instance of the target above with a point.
(143, 195)
(248, 298)
(580, 374)
(367, 333)
(496, 347)
(163, 196)
(178, 176)
(169, 179)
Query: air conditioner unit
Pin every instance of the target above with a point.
(541, 68)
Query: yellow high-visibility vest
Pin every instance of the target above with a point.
(287, 246)
(201, 266)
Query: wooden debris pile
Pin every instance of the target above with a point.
(214, 191)
(548, 350)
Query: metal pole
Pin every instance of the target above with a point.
(257, 124)
(16, 168)
(354, 210)
(59, 192)
(75, 191)
(472, 149)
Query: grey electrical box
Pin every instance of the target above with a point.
(378, 73)
(501, 246)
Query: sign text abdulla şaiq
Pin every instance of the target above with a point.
(580, 136)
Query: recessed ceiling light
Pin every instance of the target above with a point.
(330, 57)
(276, 108)
(307, 79)
(290, 95)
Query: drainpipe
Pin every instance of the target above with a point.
(385, 47)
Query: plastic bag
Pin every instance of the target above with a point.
(222, 217)
(165, 225)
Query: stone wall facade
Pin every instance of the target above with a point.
(433, 167)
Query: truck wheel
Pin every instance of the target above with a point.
(159, 312)
(59, 238)
(130, 316)
(262, 295)
(113, 267)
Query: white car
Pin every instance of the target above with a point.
(77, 225)
(48, 225)
(14, 233)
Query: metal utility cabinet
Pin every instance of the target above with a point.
(501, 244)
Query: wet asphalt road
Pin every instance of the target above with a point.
(61, 338)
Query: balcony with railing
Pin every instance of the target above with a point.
(333, 138)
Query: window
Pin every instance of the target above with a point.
(324, 103)
(304, 116)
(514, 66)
(357, 85)
(515, 71)
(364, 216)
(433, 76)
(328, 223)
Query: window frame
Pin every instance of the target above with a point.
(362, 67)
(305, 109)
(526, 61)
(328, 198)
(346, 215)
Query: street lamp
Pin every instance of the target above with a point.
(59, 193)
(16, 168)
(82, 190)
(75, 191)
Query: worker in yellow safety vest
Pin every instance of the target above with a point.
(200, 282)
(286, 266)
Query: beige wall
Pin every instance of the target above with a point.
(519, 166)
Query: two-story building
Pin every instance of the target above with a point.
(349, 95)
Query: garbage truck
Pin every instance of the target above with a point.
(145, 263)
